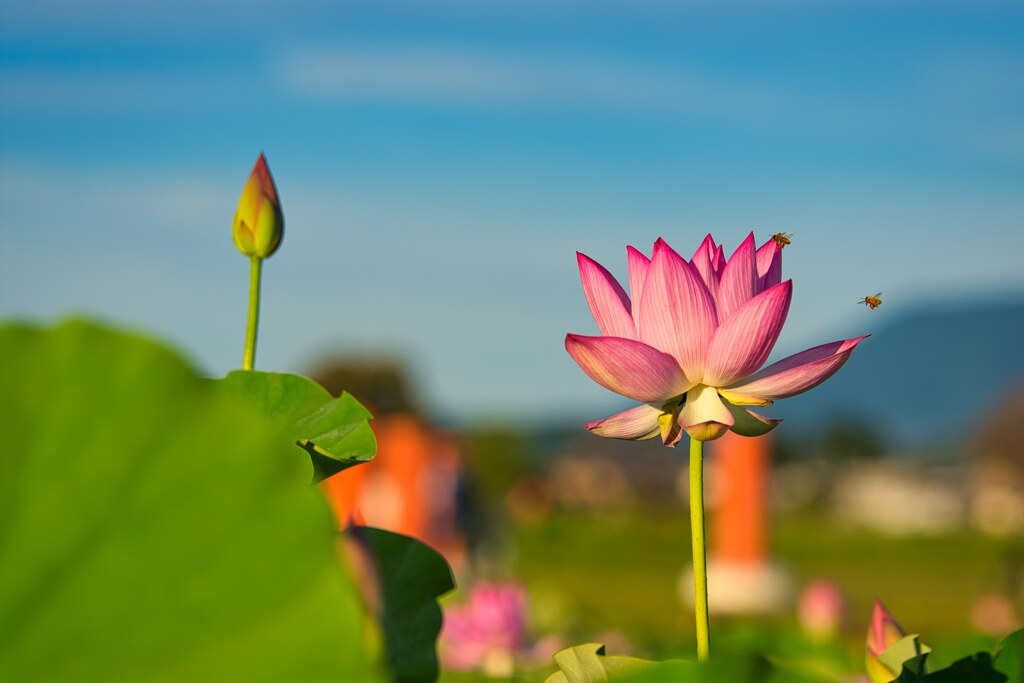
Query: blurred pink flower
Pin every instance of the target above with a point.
(487, 631)
(820, 609)
(689, 343)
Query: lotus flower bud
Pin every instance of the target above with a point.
(259, 223)
(883, 633)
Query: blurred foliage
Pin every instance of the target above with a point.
(849, 439)
(840, 437)
(572, 558)
(382, 385)
(151, 528)
(498, 457)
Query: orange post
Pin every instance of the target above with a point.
(740, 520)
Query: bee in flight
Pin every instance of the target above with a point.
(782, 239)
(873, 301)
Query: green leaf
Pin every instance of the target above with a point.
(411, 577)
(334, 431)
(151, 531)
(588, 663)
(1009, 657)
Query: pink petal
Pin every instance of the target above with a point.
(676, 313)
(628, 367)
(638, 265)
(769, 265)
(749, 423)
(745, 340)
(798, 373)
(701, 262)
(739, 279)
(608, 301)
(635, 424)
(718, 261)
(704, 415)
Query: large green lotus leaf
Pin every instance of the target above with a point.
(150, 530)
(334, 431)
(411, 576)
(1009, 657)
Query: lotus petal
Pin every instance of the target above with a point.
(798, 373)
(739, 279)
(769, 265)
(677, 314)
(638, 265)
(718, 261)
(704, 415)
(744, 341)
(749, 423)
(627, 367)
(702, 263)
(738, 399)
(635, 424)
(608, 301)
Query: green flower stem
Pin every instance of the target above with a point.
(700, 564)
(255, 270)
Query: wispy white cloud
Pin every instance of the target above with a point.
(493, 78)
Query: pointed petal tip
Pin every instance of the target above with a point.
(883, 631)
(856, 340)
(630, 249)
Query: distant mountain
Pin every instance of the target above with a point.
(927, 379)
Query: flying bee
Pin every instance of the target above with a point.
(873, 301)
(782, 239)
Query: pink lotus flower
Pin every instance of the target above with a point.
(486, 632)
(689, 343)
(820, 609)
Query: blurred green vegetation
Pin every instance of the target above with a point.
(589, 573)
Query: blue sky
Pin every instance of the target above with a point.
(440, 163)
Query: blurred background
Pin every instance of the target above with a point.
(440, 163)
